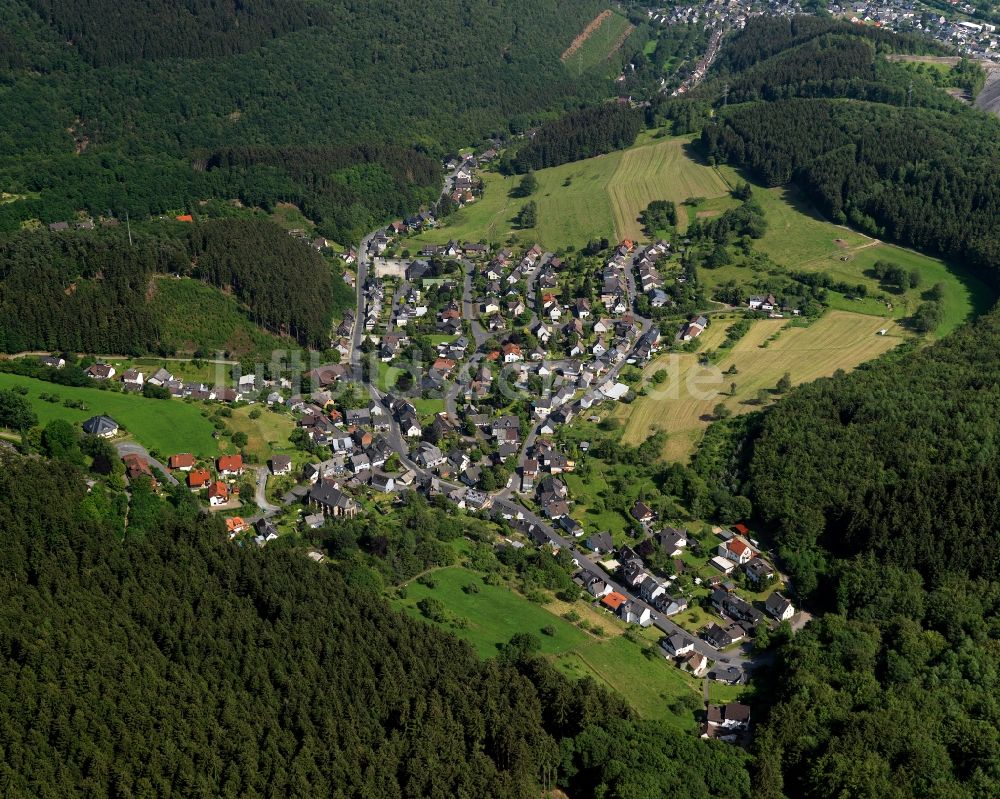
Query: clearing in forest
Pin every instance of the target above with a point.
(839, 340)
(601, 39)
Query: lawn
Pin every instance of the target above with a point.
(494, 614)
(266, 435)
(164, 425)
(599, 45)
(683, 405)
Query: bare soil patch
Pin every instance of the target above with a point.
(587, 32)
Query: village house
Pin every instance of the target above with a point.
(101, 426)
(197, 479)
(737, 551)
(694, 328)
(182, 462)
(229, 465)
(132, 379)
(136, 466)
(218, 493)
(726, 722)
(281, 465)
(677, 645)
(100, 371)
(779, 606)
(52, 361)
(327, 497)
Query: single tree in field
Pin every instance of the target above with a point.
(784, 384)
(763, 395)
(720, 411)
(527, 186)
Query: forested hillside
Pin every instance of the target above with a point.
(274, 77)
(174, 664)
(913, 169)
(877, 488)
(93, 292)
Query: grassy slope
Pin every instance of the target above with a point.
(660, 170)
(798, 238)
(164, 425)
(496, 613)
(580, 201)
(839, 340)
(198, 316)
(597, 47)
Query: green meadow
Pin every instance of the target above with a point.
(164, 425)
(493, 614)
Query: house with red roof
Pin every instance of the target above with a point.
(512, 353)
(198, 479)
(183, 462)
(230, 465)
(613, 601)
(218, 493)
(737, 550)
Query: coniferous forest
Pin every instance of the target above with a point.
(277, 98)
(91, 292)
(877, 488)
(169, 662)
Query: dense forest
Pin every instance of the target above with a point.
(92, 292)
(305, 74)
(155, 29)
(876, 488)
(578, 135)
(168, 662)
(920, 174)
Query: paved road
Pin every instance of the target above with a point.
(129, 448)
(260, 496)
(467, 372)
(359, 311)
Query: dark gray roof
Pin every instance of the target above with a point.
(99, 425)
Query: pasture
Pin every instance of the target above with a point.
(798, 238)
(163, 425)
(493, 614)
(594, 198)
(683, 405)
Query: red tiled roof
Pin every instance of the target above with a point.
(181, 461)
(230, 463)
(218, 489)
(613, 600)
(198, 478)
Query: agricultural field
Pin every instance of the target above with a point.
(597, 43)
(594, 198)
(493, 614)
(683, 406)
(163, 425)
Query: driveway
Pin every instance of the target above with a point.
(260, 496)
(131, 448)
